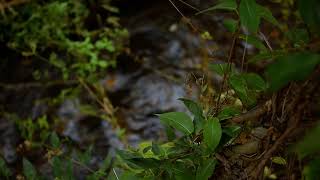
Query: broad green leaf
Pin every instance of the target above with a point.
(228, 112)
(266, 56)
(309, 10)
(249, 15)
(222, 68)
(239, 84)
(255, 82)
(28, 170)
(298, 36)
(279, 160)
(230, 25)
(212, 133)
(171, 135)
(230, 5)
(292, 67)
(156, 148)
(4, 170)
(206, 169)
(54, 140)
(146, 149)
(196, 110)
(192, 106)
(256, 42)
(309, 144)
(267, 15)
(57, 167)
(178, 120)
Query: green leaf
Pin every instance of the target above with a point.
(230, 5)
(228, 112)
(178, 120)
(279, 160)
(239, 84)
(267, 15)
(255, 82)
(222, 68)
(212, 133)
(155, 149)
(196, 110)
(256, 42)
(292, 67)
(309, 10)
(205, 170)
(309, 145)
(57, 167)
(28, 170)
(266, 56)
(249, 15)
(54, 140)
(298, 36)
(230, 25)
(192, 106)
(4, 170)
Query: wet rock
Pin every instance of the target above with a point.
(153, 93)
(247, 148)
(259, 132)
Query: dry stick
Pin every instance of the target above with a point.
(253, 114)
(283, 137)
(5, 5)
(189, 5)
(244, 53)
(187, 20)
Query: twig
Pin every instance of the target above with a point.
(189, 5)
(295, 121)
(187, 20)
(253, 114)
(225, 75)
(12, 3)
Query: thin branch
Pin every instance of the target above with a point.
(6, 5)
(253, 114)
(189, 5)
(187, 20)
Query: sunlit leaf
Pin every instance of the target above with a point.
(279, 160)
(178, 120)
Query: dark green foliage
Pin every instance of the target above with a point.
(56, 32)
